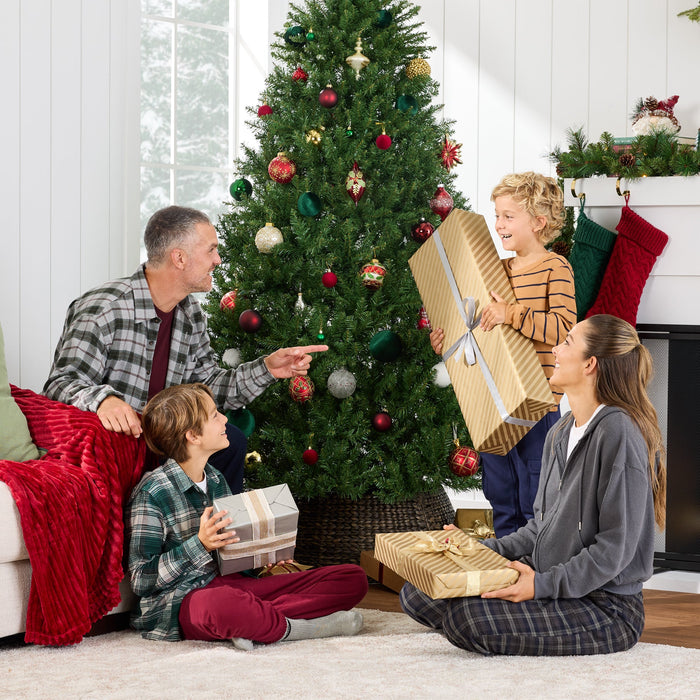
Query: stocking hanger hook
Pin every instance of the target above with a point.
(573, 190)
(625, 193)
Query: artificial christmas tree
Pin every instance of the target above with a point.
(352, 199)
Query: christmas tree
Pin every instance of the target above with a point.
(351, 173)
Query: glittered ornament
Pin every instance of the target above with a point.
(407, 104)
(441, 202)
(281, 169)
(250, 321)
(418, 67)
(381, 421)
(328, 97)
(301, 389)
(228, 300)
(423, 320)
(252, 460)
(268, 237)
(450, 153)
(329, 279)
(299, 304)
(314, 136)
(241, 189)
(372, 274)
(309, 204)
(341, 383)
(385, 346)
(464, 461)
(422, 231)
(358, 60)
(264, 110)
(355, 183)
(232, 357)
(310, 456)
(295, 36)
(300, 75)
(441, 377)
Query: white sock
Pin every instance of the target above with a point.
(343, 623)
(242, 643)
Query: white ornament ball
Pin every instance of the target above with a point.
(341, 383)
(267, 238)
(440, 376)
(232, 357)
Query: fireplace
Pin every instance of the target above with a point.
(675, 393)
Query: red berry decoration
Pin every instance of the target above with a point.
(301, 389)
(441, 202)
(228, 301)
(381, 421)
(328, 97)
(250, 321)
(281, 169)
(310, 456)
(300, 75)
(422, 231)
(329, 279)
(264, 110)
(464, 461)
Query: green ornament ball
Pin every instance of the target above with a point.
(295, 36)
(240, 188)
(384, 19)
(407, 103)
(385, 346)
(309, 204)
(310, 36)
(243, 419)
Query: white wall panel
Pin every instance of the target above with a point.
(647, 50)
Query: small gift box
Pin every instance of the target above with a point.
(379, 572)
(497, 378)
(265, 520)
(476, 522)
(444, 563)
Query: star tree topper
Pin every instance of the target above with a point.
(450, 154)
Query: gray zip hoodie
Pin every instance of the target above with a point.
(593, 524)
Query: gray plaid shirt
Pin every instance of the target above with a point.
(107, 346)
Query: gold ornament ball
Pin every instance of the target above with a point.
(267, 238)
(313, 136)
(418, 66)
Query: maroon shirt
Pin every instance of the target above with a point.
(159, 368)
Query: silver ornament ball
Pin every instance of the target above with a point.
(341, 383)
(267, 238)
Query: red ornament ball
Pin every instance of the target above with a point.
(423, 320)
(441, 202)
(300, 75)
(281, 169)
(264, 110)
(329, 279)
(383, 141)
(250, 321)
(464, 461)
(301, 389)
(228, 301)
(422, 231)
(310, 456)
(381, 421)
(328, 97)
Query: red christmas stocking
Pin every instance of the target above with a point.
(636, 248)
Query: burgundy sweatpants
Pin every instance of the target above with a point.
(257, 608)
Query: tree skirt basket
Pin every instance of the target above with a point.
(335, 530)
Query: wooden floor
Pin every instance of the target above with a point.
(671, 618)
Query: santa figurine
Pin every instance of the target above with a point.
(652, 115)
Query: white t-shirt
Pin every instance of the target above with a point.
(577, 432)
(202, 484)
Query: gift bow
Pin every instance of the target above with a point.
(467, 343)
(481, 530)
(428, 543)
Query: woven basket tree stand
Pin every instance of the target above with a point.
(335, 530)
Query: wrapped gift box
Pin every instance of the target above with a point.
(476, 522)
(379, 572)
(265, 520)
(444, 563)
(499, 382)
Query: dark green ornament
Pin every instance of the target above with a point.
(385, 346)
(240, 188)
(407, 103)
(243, 419)
(296, 37)
(384, 19)
(309, 204)
(310, 36)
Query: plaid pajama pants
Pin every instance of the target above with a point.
(599, 623)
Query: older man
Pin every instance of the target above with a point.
(126, 340)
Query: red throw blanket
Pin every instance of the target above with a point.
(70, 504)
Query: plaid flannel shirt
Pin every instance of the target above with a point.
(166, 559)
(107, 346)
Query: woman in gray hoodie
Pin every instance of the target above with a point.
(583, 558)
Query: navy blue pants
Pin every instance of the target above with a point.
(510, 481)
(230, 461)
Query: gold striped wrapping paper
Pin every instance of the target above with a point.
(508, 355)
(440, 574)
(265, 520)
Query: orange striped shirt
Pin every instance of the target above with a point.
(546, 306)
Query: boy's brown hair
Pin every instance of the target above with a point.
(539, 196)
(170, 414)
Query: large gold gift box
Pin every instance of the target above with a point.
(444, 563)
(499, 382)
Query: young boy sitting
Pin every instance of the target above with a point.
(172, 535)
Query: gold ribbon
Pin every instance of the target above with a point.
(481, 530)
(427, 543)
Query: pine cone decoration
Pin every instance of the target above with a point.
(651, 103)
(560, 170)
(627, 160)
(561, 248)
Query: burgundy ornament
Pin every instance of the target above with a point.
(329, 279)
(264, 110)
(250, 321)
(383, 141)
(441, 202)
(381, 421)
(422, 231)
(328, 97)
(355, 183)
(310, 456)
(464, 461)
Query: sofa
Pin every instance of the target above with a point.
(63, 482)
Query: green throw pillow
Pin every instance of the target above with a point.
(15, 441)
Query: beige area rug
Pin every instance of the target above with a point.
(393, 657)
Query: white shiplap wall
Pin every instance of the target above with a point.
(514, 74)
